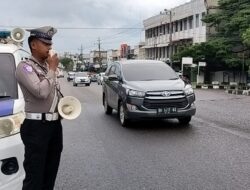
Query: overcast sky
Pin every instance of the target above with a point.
(74, 18)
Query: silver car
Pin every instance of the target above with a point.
(81, 78)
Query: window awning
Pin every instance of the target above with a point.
(155, 46)
(162, 45)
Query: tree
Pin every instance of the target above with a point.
(67, 63)
(231, 23)
(210, 52)
(246, 37)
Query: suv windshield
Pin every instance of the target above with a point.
(147, 71)
(8, 83)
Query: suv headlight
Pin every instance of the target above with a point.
(136, 93)
(188, 89)
(10, 125)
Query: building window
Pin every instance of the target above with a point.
(167, 28)
(190, 21)
(197, 20)
(180, 25)
(160, 31)
(203, 15)
(185, 23)
(176, 26)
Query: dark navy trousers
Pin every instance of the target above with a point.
(43, 146)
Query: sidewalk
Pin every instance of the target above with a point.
(230, 89)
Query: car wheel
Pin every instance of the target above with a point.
(185, 120)
(122, 116)
(107, 108)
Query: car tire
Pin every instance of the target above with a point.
(122, 116)
(185, 120)
(108, 110)
(74, 84)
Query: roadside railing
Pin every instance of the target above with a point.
(231, 87)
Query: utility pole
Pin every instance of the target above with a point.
(170, 38)
(81, 54)
(79, 64)
(169, 12)
(99, 52)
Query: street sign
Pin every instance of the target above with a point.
(202, 64)
(187, 60)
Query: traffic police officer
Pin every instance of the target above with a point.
(41, 131)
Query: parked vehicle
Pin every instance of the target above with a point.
(71, 75)
(11, 117)
(81, 78)
(93, 78)
(146, 89)
(60, 73)
(100, 78)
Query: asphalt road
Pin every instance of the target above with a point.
(212, 153)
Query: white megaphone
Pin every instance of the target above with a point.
(17, 34)
(69, 107)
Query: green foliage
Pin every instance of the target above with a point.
(246, 37)
(67, 63)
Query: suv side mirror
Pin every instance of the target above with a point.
(113, 77)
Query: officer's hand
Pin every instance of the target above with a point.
(53, 61)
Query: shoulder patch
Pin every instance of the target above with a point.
(27, 68)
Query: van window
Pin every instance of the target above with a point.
(8, 83)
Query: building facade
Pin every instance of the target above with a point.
(139, 51)
(179, 26)
(98, 57)
(124, 50)
(113, 55)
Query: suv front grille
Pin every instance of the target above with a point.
(154, 100)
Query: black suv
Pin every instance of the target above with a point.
(140, 89)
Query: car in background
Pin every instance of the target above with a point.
(71, 75)
(81, 78)
(100, 78)
(146, 89)
(93, 78)
(60, 73)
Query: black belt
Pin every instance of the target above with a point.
(42, 116)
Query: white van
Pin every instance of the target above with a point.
(11, 117)
(100, 78)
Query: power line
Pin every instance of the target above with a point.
(77, 28)
(121, 32)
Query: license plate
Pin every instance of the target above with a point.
(164, 111)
